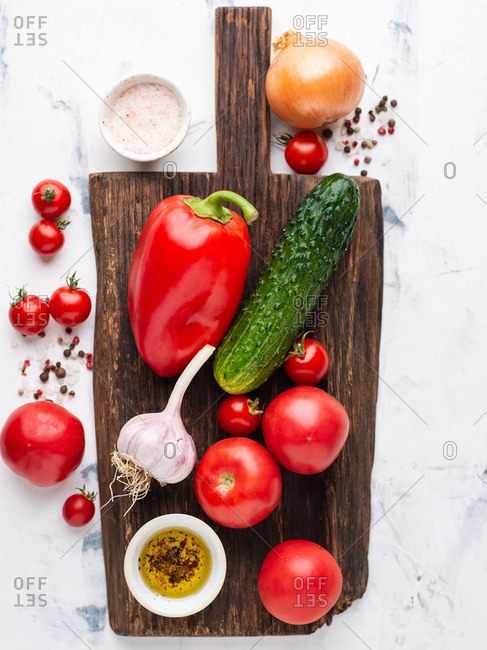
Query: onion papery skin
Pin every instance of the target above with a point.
(309, 85)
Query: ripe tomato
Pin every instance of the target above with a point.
(29, 314)
(50, 199)
(299, 582)
(46, 237)
(43, 442)
(305, 429)
(306, 152)
(78, 509)
(239, 416)
(69, 305)
(237, 483)
(307, 363)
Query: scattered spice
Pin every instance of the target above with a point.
(68, 330)
(60, 373)
(356, 162)
(390, 130)
(367, 159)
(327, 133)
(363, 172)
(347, 149)
(393, 103)
(67, 353)
(358, 110)
(391, 123)
(372, 117)
(21, 391)
(350, 130)
(72, 393)
(44, 376)
(347, 123)
(381, 130)
(63, 389)
(41, 334)
(81, 354)
(364, 144)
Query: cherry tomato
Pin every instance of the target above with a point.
(50, 199)
(239, 416)
(42, 442)
(46, 237)
(307, 363)
(29, 314)
(299, 582)
(305, 429)
(306, 152)
(237, 482)
(69, 305)
(78, 509)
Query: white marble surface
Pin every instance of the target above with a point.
(427, 557)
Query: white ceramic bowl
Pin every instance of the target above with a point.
(186, 605)
(105, 112)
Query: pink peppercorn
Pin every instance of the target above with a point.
(381, 131)
(390, 130)
(356, 161)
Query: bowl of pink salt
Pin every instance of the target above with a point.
(144, 117)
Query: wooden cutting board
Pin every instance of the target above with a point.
(331, 508)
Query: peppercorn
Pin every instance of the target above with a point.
(390, 130)
(39, 392)
(382, 103)
(372, 117)
(68, 330)
(384, 98)
(358, 110)
(72, 393)
(364, 144)
(381, 131)
(53, 367)
(346, 149)
(36, 396)
(356, 162)
(347, 123)
(370, 145)
(327, 133)
(81, 354)
(63, 389)
(391, 122)
(363, 172)
(41, 334)
(356, 118)
(21, 391)
(394, 103)
(367, 159)
(374, 142)
(58, 364)
(354, 143)
(67, 353)
(76, 340)
(356, 129)
(60, 373)
(350, 130)
(60, 341)
(44, 376)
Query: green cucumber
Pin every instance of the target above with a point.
(306, 255)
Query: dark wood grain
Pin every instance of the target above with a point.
(332, 508)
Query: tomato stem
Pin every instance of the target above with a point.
(283, 139)
(212, 208)
(91, 496)
(253, 406)
(298, 348)
(19, 297)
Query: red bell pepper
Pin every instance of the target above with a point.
(187, 277)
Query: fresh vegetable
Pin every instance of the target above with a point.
(187, 277)
(78, 509)
(70, 305)
(29, 314)
(46, 237)
(310, 84)
(239, 416)
(157, 445)
(51, 199)
(305, 429)
(237, 482)
(308, 252)
(299, 582)
(42, 442)
(308, 362)
(305, 153)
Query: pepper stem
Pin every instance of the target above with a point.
(212, 208)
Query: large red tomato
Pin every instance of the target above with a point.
(299, 582)
(305, 429)
(237, 483)
(43, 442)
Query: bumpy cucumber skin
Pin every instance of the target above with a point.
(306, 255)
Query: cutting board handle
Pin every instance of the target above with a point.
(243, 42)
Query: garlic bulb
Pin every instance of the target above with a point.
(157, 445)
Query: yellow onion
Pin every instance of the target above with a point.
(310, 83)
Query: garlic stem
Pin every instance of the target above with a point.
(185, 378)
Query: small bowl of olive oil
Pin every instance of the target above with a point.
(175, 565)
